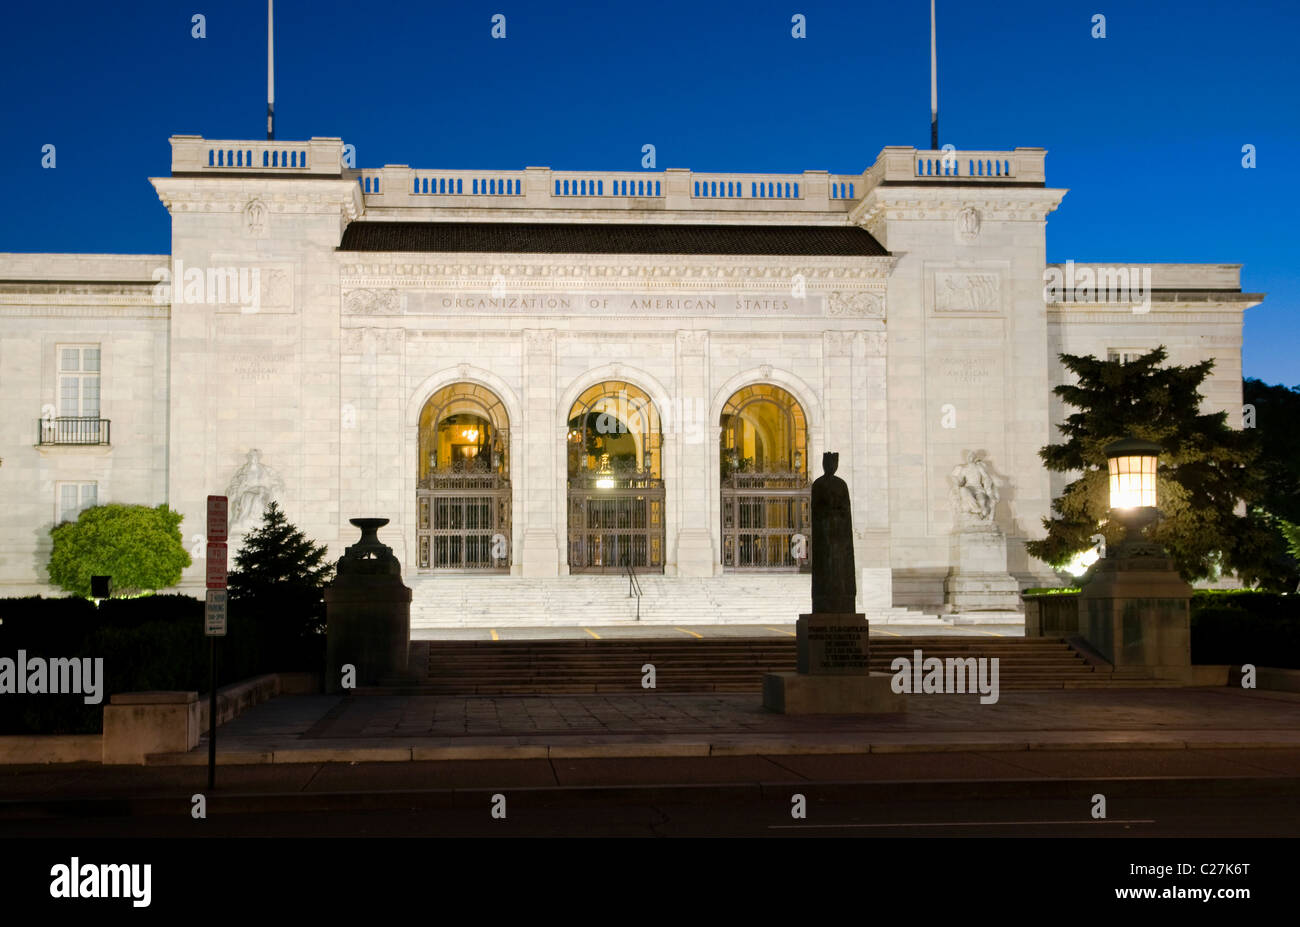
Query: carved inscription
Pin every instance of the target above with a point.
(838, 648)
(258, 366)
(965, 370)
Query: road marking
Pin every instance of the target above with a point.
(781, 631)
(961, 824)
(691, 633)
(592, 633)
(883, 631)
(494, 634)
(977, 631)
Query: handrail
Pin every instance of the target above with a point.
(633, 585)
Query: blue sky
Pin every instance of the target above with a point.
(1145, 127)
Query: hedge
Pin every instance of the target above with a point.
(147, 643)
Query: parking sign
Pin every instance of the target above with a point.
(214, 614)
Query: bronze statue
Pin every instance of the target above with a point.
(834, 588)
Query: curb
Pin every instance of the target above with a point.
(693, 748)
(678, 794)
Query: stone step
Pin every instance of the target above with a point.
(721, 664)
(457, 600)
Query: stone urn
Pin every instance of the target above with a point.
(368, 614)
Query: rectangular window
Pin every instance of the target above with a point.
(79, 381)
(72, 498)
(1125, 355)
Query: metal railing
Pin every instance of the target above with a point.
(72, 430)
(633, 585)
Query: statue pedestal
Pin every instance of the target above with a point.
(833, 675)
(368, 614)
(978, 580)
(1135, 610)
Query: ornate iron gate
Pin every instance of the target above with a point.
(613, 520)
(761, 514)
(458, 513)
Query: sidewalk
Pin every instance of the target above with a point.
(350, 756)
(323, 729)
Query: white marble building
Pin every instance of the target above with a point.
(592, 365)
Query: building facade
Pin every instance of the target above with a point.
(543, 373)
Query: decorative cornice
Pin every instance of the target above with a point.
(775, 274)
(940, 204)
(125, 309)
(1193, 314)
(278, 195)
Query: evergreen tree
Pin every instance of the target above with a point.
(1272, 411)
(280, 576)
(1275, 413)
(1206, 468)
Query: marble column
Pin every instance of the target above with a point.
(541, 548)
(693, 552)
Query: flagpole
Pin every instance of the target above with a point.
(270, 71)
(934, 87)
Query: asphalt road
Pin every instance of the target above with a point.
(1135, 816)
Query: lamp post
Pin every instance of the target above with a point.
(1131, 464)
(1134, 608)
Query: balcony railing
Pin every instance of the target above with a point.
(73, 430)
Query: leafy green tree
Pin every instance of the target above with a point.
(1206, 468)
(139, 547)
(280, 577)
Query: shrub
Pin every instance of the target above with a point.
(139, 547)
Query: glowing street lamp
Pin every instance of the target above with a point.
(1132, 465)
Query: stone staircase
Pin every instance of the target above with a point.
(737, 665)
(457, 600)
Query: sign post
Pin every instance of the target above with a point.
(214, 616)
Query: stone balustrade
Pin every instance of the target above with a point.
(398, 185)
(904, 165)
(193, 154)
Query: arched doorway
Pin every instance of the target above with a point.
(763, 453)
(616, 491)
(463, 489)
